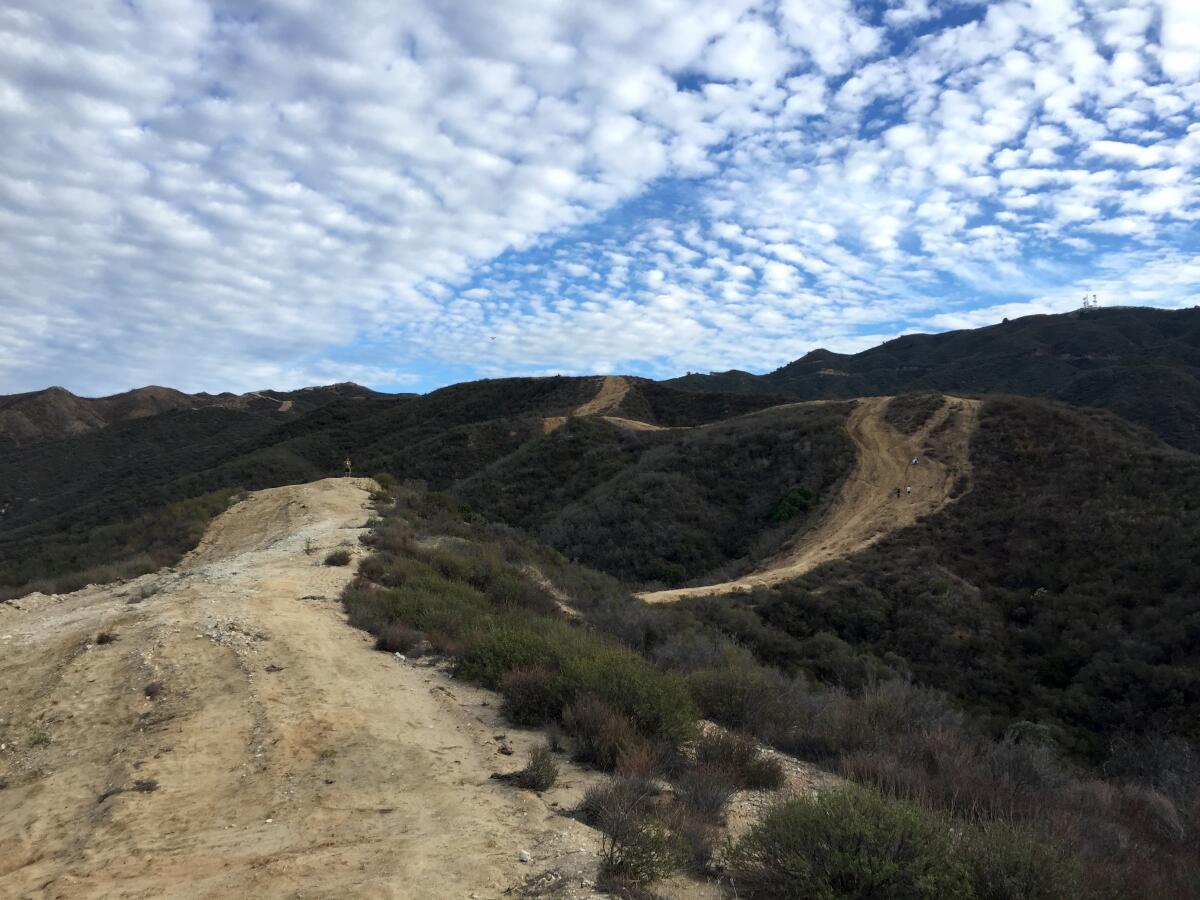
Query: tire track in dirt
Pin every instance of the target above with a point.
(289, 759)
(867, 508)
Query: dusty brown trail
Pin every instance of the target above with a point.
(290, 759)
(609, 394)
(867, 508)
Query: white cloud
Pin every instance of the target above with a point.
(1180, 39)
(223, 195)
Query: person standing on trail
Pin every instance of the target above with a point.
(897, 493)
(348, 466)
(914, 462)
(908, 489)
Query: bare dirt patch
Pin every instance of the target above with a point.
(288, 759)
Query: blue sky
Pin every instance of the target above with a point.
(235, 195)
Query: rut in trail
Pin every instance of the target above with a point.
(867, 508)
(277, 755)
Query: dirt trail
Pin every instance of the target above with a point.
(612, 391)
(867, 508)
(609, 394)
(289, 759)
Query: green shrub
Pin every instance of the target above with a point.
(514, 641)
(387, 482)
(1008, 864)
(436, 605)
(659, 704)
(532, 696)
(797, 500)
(849, 843)
(743, 696)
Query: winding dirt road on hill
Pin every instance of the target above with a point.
(867, 508)
(280, 756)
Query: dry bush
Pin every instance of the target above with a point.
(444, 644)
(601, 733)
(637, 845)
(337, 558)
(705, 792)
(153, 690)
(740, 757)
(392, 536)
(540, 773)
(556, 737)
(396, 637)
(533, 695)
(641, 760)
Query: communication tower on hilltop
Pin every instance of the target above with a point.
(1092, 302)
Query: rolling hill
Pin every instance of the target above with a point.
(1142, 364)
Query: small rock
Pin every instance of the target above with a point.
(506, 750)
(400, 656)
(523, 856)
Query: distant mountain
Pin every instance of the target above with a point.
(1142, 364)
(57, 413)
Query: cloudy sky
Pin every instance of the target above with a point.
(231, 195)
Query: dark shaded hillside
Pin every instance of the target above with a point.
(1064, 589)
(649, 401)
(666, 507)
(67, 497)
(1142, 364)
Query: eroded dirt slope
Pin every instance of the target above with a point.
(867, 508)
(280, 756)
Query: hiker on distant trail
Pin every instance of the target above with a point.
(348, 467)
(908, 489)
(914, 462)
(897, 493)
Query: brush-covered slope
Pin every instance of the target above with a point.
(97, 497)
(1064, 588)
(1142, 364)
(663, 507)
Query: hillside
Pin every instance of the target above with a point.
(1062, 589)
(232, 736)
(668, 505)
(105, 495)
(1142, 364)
(56, 413)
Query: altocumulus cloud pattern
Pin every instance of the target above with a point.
(232, 195)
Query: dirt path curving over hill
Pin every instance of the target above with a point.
(279, 756)
(609, 394)
(867, 508)
(612, 391)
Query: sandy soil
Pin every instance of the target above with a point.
(867, 508)
(282, 757)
